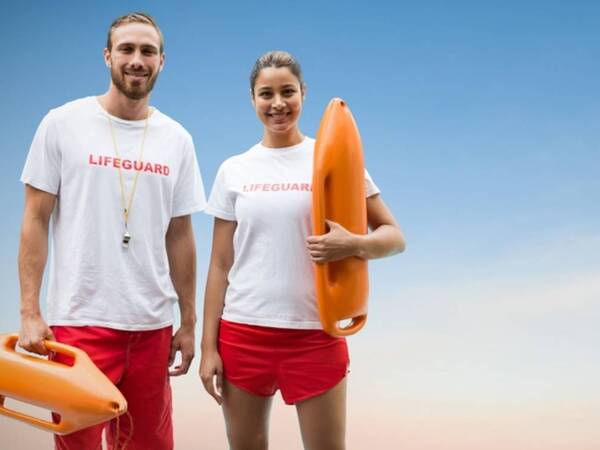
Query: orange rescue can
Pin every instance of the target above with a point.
(338, 194)
(81, 394)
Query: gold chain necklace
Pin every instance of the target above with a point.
(127, 205)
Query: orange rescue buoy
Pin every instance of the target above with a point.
(338, 194)
(81, 394)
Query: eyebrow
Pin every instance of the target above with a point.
(268, 88)
(131, 44)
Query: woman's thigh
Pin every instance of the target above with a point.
(323, 419)
(246, 418)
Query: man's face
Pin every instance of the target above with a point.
(135, 59)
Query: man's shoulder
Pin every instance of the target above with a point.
(73, 107)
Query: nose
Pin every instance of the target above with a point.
(136, 59)
(278, 102)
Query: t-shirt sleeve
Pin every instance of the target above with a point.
(221, 200)
(371, 188)
(43, 164)
(189, 191)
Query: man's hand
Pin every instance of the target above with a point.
(34, 331)
(183, 342)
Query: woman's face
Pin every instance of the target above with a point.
(277, 99)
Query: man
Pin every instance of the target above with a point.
(119, 180)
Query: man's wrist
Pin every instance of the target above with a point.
(187, 312)
(30, 312)
(188, 323)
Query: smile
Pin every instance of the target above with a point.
(136, 75)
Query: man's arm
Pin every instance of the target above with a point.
(221, 260)
(33, 253)
(181, 250)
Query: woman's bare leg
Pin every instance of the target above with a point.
(323, 419)
(246, 418)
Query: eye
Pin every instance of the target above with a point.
(265, 94)
(149, 51)
(289, 92)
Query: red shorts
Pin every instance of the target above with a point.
(300, 363)
(137, 363)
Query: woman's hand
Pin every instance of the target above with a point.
(337, 244)
(211, 366)
(385, 239)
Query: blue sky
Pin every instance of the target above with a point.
(480, 125)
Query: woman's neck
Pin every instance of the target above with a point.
(280, 140)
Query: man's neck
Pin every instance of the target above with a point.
(117, 104)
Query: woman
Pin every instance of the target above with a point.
(261, 326)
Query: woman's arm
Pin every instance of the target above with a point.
(386, 238)
(221, 261)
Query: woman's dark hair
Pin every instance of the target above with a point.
(276, 58)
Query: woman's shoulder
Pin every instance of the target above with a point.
(238, 158)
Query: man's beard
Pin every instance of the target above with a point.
(133, 92)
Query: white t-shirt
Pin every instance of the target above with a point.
(93, 279)
(267, 191)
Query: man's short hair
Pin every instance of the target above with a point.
(136, 17)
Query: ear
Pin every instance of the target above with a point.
(252, 99)
(107, 57)
(162, 62)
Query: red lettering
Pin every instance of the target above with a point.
(285, 187)
(305, 187)
(266, 187)
(127, 164)
(295, 187)
(275, 187)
